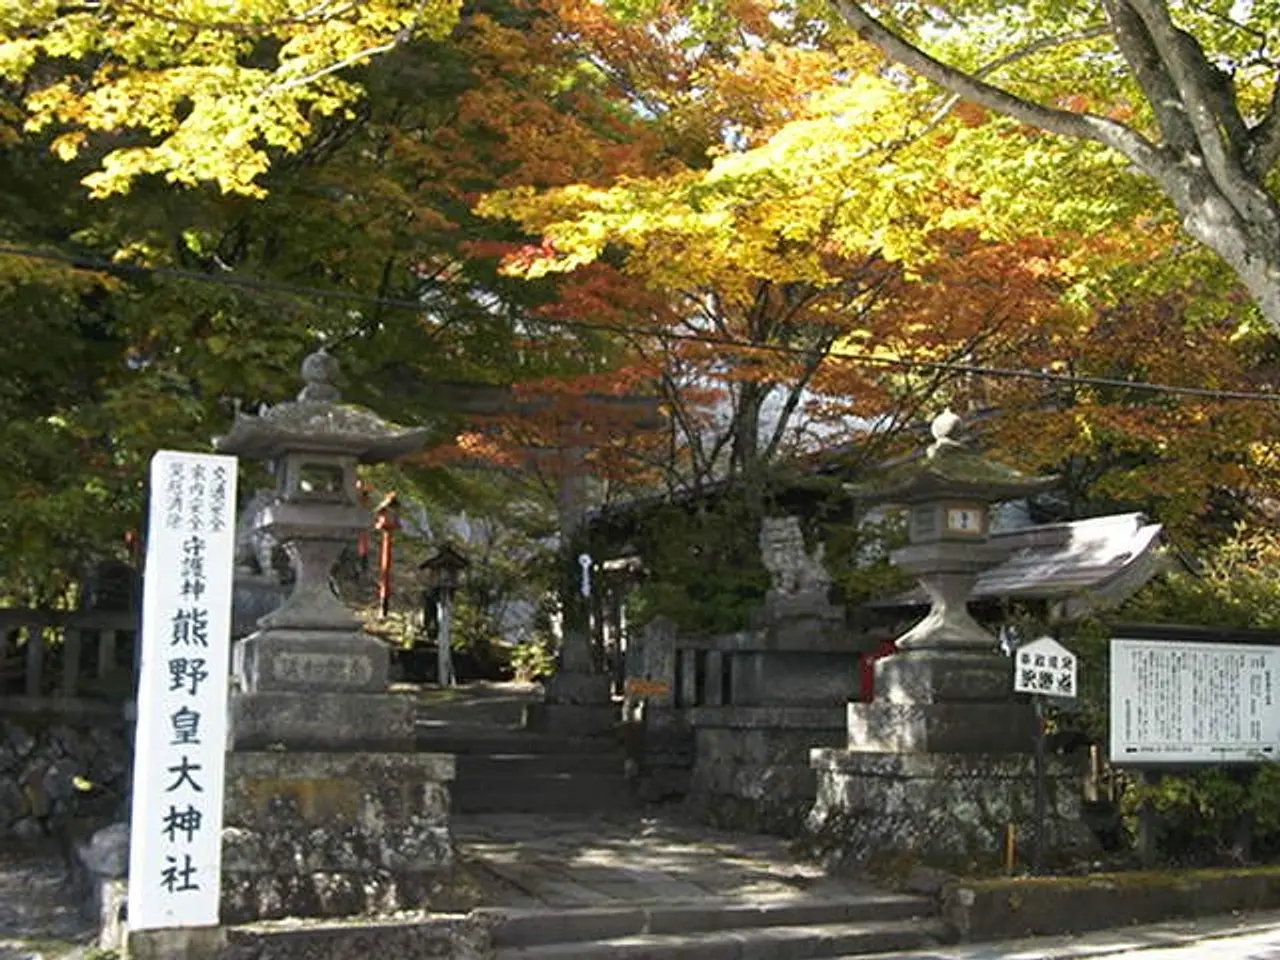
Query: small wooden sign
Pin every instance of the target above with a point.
(1045, 667)
(641, 687)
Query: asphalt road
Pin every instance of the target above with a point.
(1247, 937)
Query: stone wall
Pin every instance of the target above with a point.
(751, 769)
(452, 937)
(62, 767)
(883, 810)
(331, 834)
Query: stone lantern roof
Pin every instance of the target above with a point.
(317, 422)
(950, 470)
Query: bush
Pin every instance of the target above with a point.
(1215, 814)
(532, 661)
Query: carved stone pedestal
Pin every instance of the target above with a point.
(334, 834)
(317, 690)
(576, 705)
(938, 766)
(944, 809)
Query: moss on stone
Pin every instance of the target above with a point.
(1137, 879)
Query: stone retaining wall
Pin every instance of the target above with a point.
(454, 937)
(1000, 908)
(59, 767)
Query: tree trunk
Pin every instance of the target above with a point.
(1250, 248)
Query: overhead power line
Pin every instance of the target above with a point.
(102, 265)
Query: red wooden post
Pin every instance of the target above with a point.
(386, 523)
(867, 668)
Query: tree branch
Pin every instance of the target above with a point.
(1135, 44)
(1008, 60)
(1126, 141)
(350, 61)
(1264, 148)
(794, 392)
(1215, 124)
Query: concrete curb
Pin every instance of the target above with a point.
(1105, 943)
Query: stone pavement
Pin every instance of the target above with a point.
(38, 918)
(621, 860)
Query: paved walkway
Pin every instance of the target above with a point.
(38, 918)
(613, 861)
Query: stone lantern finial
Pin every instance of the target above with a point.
(319, 371)
(945, 428)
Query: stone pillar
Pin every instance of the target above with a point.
(578, 699)
(666, 742)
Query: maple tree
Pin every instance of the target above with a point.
(1200, 464)
(213, 85)
(198, 298)
(776, 250)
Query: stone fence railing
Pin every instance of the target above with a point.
(59, 655)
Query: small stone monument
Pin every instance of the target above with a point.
(800, 586)
(328, 811)
(257, 588)
(943, 759)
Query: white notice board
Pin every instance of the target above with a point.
(175, 838)
(1176, 702)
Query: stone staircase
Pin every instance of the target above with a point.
(857, 926)
(569, 866)
(503, 768)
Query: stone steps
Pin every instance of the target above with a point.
(463, 740)
(533, 927)
(506, 770)
(804, 930)
(550, 792)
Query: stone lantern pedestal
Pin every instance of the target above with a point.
(329, 812)
(943, 759)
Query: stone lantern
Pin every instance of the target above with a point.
(445, 568)
(329, 809)
(948, 495)
(943, 760)
(309, 677)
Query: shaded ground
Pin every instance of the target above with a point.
(39, 919)
(554, 862)
(477, 705)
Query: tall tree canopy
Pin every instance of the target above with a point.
(738, 206)
(1186, 93)
(198, 297)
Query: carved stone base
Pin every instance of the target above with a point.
(322, 721)
(945, 810)
(941, 727)
(312, 661)
(943, 676)
(328, 834)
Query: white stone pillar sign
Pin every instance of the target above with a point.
(175, 840)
